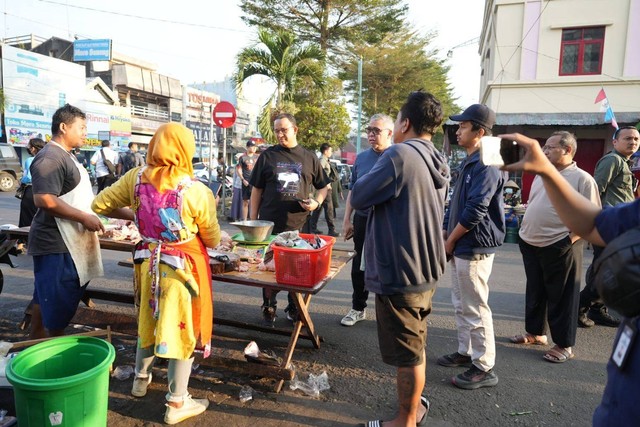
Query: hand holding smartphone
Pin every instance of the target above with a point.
(495, 151)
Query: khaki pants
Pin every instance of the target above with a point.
(470, 296)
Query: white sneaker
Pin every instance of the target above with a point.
(353, 317)
(140, 385)
(190, 408)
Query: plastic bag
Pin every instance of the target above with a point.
(246, 394)
(313, 386)
(122, 372)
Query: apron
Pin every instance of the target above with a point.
(83, 245)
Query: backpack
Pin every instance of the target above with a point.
(617, 273)
(110, 166)
(128, 161)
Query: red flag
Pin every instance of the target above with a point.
(601, 96)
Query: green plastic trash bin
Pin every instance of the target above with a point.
(62, 382)
(512, 235)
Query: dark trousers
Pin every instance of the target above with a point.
(553, 289)
(329, 214)
(105, 181)
(589, 297)
(360, 294)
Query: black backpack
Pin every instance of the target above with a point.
(128, 161)
(617, 273)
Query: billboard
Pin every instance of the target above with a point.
(92, 50)
(35, 86)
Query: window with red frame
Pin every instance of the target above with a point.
(581, 51)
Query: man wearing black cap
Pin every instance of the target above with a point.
(473, 228)
(244, 168)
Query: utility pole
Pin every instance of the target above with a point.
(359, 136)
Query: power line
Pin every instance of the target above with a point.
(148, 18)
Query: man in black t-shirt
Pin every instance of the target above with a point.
(58, 192)
(281, 180)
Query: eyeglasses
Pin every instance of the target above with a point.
(282, 130)
(376, 131)
(551, 147)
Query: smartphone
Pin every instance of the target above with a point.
(495, 151)
(298, 199)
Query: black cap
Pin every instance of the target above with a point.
(250, 143)
(478, 113)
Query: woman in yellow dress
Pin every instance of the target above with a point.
(176, 217)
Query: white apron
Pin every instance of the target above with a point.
(83, 245)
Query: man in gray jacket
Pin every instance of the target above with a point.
(404, 248)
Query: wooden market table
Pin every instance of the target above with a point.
(302, 328)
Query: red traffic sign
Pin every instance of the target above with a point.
(224, 114)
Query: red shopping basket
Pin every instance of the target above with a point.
(303, 267)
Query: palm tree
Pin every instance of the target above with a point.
(279, 57)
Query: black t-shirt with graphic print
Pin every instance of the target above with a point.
(285, 174)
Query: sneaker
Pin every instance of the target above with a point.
(140, 385)
(190, 408)
(292, 314)
(454, 360)
(334, 234)
(475, 378)
(269, 315)
(353, 317)
(584, 321)
(602, 317)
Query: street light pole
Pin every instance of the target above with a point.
(359, 136)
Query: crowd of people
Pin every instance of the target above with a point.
(404, 239)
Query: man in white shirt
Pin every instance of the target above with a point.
(107, 165)
(552, 256)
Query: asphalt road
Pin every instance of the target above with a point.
(531, 391)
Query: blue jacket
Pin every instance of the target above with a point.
(478, 206)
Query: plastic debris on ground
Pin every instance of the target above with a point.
(5, 420)
(246, 394)
(122, 372)
(253, 354)
(4, 359)
(313, 386)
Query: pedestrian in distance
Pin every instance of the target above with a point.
(244, 168)
(281, 179)
(236, 199)
(379, 133)
(404, 252)
(107, 165)
(326, 151)
(27, 205)
(474, 227)
(176, 217)
(616, 184)
(62, 238)
(552, 256)
(131, 159)
(619, 406)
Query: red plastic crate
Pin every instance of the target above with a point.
(303, 267)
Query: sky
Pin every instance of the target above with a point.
(198, 40)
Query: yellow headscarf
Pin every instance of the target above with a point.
(169, 157)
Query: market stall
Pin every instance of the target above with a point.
(303, 327)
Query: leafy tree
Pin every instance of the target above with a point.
(322, 115)
(280, 57)
(393, 68)
(332, 24)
